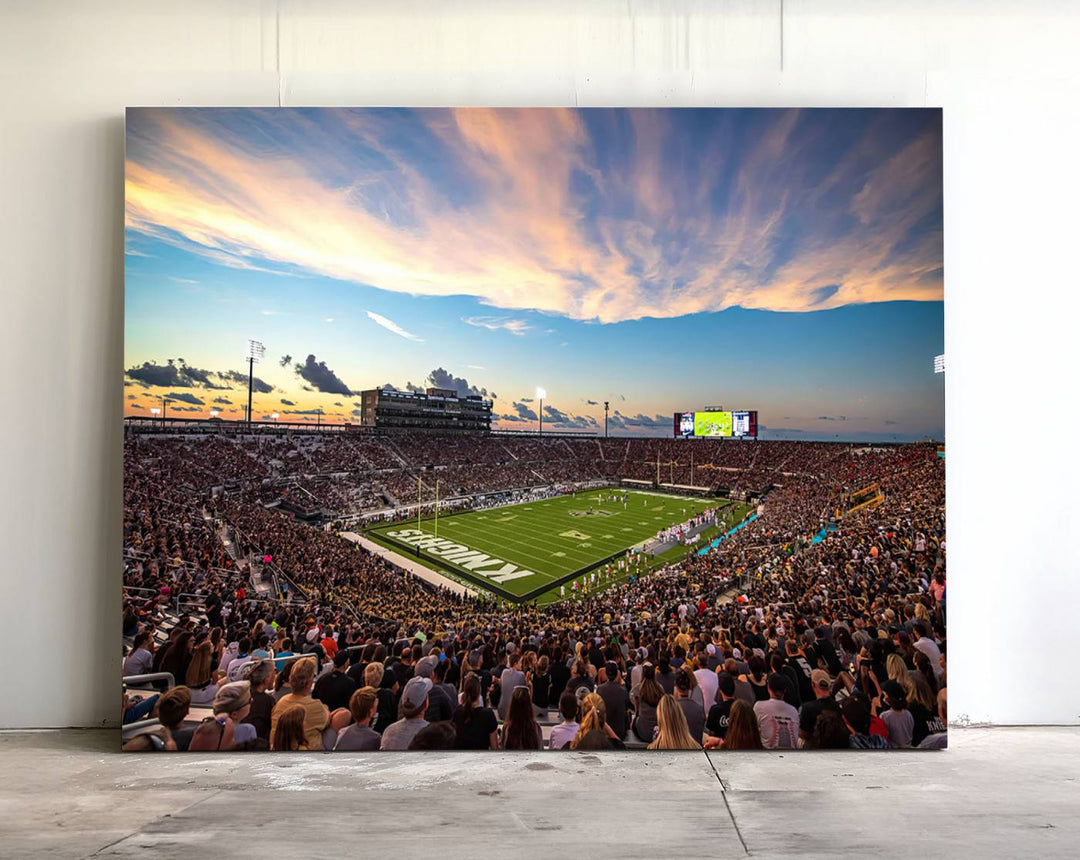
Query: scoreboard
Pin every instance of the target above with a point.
(723, 424)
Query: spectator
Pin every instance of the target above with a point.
(476, 726)
(234, 702)
(141, 659)
(719, 718)
(594, 733)
(414, 700)
(172, 709)
(316, 715)
(440, 704)
(823, 700)
(742, 732)
(897, 717)
(857, 712)
(290, 734)
(616, 699)
(178, 657)
(335, 688)
(359, 736)
(511, 678)
(778, 722)
(261, 675)
(743, 689)
(579, 677)
(386, 683)
(200, 678)
(649, 695)
(829, 732)
(706, 679)
(673, 734)
(564, 732)
(692, 709)
(521, 731)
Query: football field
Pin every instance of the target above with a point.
(522, 551)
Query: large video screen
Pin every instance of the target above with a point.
(743, 424)
(712, 423)
(684, 425)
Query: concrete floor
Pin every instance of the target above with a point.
(1006, 792)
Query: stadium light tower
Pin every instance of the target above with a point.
(605, 418)
(214, 413)
(274, 416)
(255, 353)
(540, 395)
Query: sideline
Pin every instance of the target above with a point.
(416, 569)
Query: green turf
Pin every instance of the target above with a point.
(548, 540)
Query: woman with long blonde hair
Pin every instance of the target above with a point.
(594, 720)
(674, 733)
(897, 670)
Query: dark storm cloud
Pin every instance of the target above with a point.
(321, 377)
(287, 402)
(524, 412)
(175, 373)
(185, 398)
(441, 378)
(563, 419)
(242, 379)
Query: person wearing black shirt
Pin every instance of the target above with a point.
(823, 701)
(716, 723)
(477, 726)
(560, 674)
(616, 700)
(335, 690)
(802, 670)
(387, 684)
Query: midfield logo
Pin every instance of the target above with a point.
(576, 512)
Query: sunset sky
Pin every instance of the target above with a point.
(664, 260)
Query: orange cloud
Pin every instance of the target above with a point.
(644, 242)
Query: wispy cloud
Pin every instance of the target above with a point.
(611, 216)
(514, 326)
(390, 325)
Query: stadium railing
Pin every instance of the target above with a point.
(144, 681)
(148, 592)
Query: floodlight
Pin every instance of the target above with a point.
(155, 410)
(939, 364)
(256, 350)
(213, 413)
(540, 393)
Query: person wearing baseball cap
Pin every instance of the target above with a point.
(440, 706)
(233, 701)
(414, 705)
(823, 700)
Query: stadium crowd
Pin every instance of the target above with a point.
(810, 627)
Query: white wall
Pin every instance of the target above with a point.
(1005, 74)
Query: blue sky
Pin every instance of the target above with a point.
(784, 261)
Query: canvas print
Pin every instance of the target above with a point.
(539, 429)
